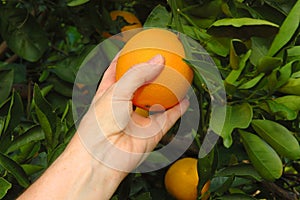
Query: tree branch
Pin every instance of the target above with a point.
(279, 192)
(193, 148)
(3, 47)
(12, 59)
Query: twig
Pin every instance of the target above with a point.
(3, 47)
(279, 192)
(193, 149)
(12, 59)
(29, 97)
(21, 88)
(61, 51)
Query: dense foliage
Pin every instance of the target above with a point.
(254, 43)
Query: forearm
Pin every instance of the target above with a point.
(75, 175)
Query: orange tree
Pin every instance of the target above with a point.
(254, 44)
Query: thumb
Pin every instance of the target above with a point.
(137, 76)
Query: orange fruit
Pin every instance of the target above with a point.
(173, 82)
(181, 180)
(130, 18)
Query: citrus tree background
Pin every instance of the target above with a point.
(255, 45)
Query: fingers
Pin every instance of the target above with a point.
(109, 77)
(137, 76)
(167, 119)
(118, 98)
(154, 127)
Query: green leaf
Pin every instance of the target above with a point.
(14, 115)
(280, 111)
(159, 17)
(111, 47)
(206, 166)
(296, 74)
(77, 2)
(279, 137)
(240, 22)
(282, 6)
(45, 115)
(236, 197)
(266, 64)
(287, 30)
(252, 82)
(4, 187)
(259, 47)
(19, 71)
(27, 152)
(67, 111)
(240, 170)
(293, 53)
(60, 86)
(290, 101)
(237, 48)
(226, 185)
(41, 160)
(204, 10)
(44, 91)
(73, 39)
(157, 157)
(263, 157)
(242, 28)
(15, 169)
(176, 18)
(2, 125)
(56, 152)
(31, 135)
(237, 116)
(6, 81)
(143, 196)
(232, 78)
(15, 112)
(271, 82)
(46, 125)
(45, 74)
(23, 34)
(291, 87)
(284, 74)
(32, 169)
(67, 68)
(217, 119)
(219, 46)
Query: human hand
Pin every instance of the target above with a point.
(112, 132)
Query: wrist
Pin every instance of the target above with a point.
(93, 174)
(75, 174)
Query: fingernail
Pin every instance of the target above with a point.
(158, 59)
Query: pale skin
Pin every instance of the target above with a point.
(77, 173)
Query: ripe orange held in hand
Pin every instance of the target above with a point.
(181, 180)
(172, 84)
